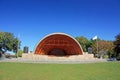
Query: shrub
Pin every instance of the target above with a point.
(19, 53)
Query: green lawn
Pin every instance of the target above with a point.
(32, 71)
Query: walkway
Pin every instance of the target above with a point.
(53, 61)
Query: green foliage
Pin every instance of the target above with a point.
(19, 53)
(27, 71)
(8, 41)
(83, 42)
(104, 47)
(117, 46)
(105, 56)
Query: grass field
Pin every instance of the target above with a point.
(32, 71)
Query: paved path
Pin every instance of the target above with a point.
(53, 61)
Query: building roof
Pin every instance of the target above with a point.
(58, 43)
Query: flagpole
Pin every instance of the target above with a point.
(97, 45)
(96, 38)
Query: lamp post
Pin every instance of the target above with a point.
(18, 45)
(17, 49)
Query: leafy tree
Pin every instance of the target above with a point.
(117, 46)
(104, 47)
(83, 42)
(8, 42)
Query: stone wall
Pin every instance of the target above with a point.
(32, 56)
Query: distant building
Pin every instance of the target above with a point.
(26, 49)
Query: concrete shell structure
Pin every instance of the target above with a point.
(58, 44)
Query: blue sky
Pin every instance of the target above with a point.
(33, 19)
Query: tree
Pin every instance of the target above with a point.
(8, 42)
(83, 42)
(117, 46)
(104, 47)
